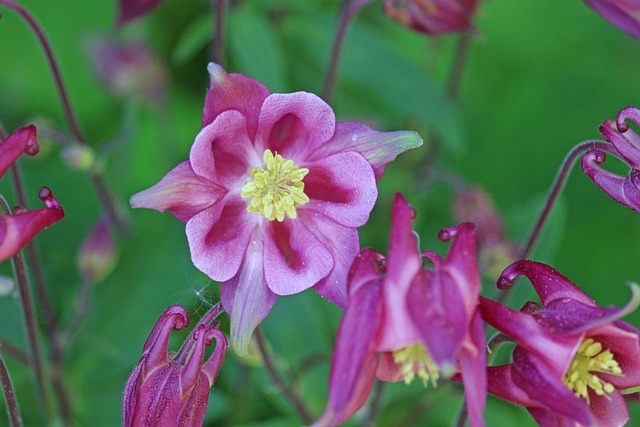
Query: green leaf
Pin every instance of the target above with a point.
(193, 39)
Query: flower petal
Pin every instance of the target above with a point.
(613, 185)
(346, 201)
(623, 15)
(17, 230)
(379, 148)
(500, 384)
(247, 298)
(222, 151)
(623, 142)
(623, 341)
(473, 362)
(233, 92)
(294, 124)
(610, 410)
(22, 140)
(181, 191)
(355, 356)
(218, 238)
(294, 258)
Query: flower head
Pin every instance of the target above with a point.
(17, 228)
(433, 17)
(625, 145)
(167, 389)
(571, 358)
(624, 14)
(423, 323)
(272, 194)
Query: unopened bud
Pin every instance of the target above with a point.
(98, 254)
(79, 157)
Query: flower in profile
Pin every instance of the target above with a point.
(167, 389)
(433, 17)
(624, 14)
(625, 145)
(572, 358)
(421, 322)
(272, 194)
(17, 228)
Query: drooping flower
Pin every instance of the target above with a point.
(17, 229)
(272, 194)
(167, 389)
(572, 358)
(433, 17)
(421, 322)
(128, 10)
(625, 145)
(624, 14)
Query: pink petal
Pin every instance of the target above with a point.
(294, 258)
(247, 298)
(131, 9)
(378, 148)
(623, 16)
(218, 238)
(181, 191)
(473, 362)
(402, 264)
(500, 384)
(610, 410)
(462, 263)
(222, 151)
(347, 201)
(233, 92)
(22, 140)
(354, 358)
(613, 185)
(624, 143)
(623, 341)
(294, 124)
(17, 230)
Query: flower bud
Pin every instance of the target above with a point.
(98, 254)
(432, 17)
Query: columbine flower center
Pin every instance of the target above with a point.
(415, 360)
(277, 189)
(590, 359)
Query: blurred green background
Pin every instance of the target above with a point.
(540, 77)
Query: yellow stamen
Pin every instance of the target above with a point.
(277, 190)
(415, 360)
(591, 358)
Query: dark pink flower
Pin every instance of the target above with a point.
(625, 145)
(571, 358)
(128, 10)
(169, 389)
(421, 322)
(433, 17)
(624, 14)
(17, 229)
(272, 194)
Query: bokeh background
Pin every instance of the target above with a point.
(539, 78)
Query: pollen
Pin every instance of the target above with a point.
(277, 190)
(591, 359)
(416, 361)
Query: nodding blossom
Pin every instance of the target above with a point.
(433, 17)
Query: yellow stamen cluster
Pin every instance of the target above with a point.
(277, 189)
(591, 359)
(415, 360)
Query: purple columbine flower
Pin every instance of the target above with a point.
(624, 144)
(433, 17)
(421, 322)
(624, 14)
(272, 194)
(572, 358)
(167, 389)
(17, 229)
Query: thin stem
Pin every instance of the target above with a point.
(9, 395)
(556, 188)
(463, 413)
(348, 12)
(218, 37)
(81, 306)
(14, 351)
(69, 114)
(459, 61)
(374, 407)
(289, 393)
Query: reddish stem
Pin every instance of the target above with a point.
(9, 396)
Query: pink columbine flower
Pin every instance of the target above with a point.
(572, 358)
(624, 14)
(433, 17)
(18, 229)
(422, 322)
(167, 389)
(625, 145)
(272, 194)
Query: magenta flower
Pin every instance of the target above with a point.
(624, 144)
(433, 17)
(572, 358)
(422, 322)
(128, 10)
(272, 194)
(18, 229)
(167, 389)
(624, 14)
